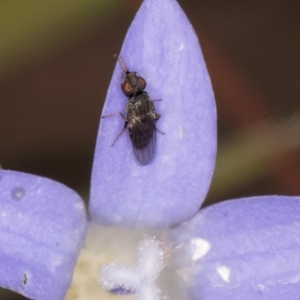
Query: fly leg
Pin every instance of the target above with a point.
(156, 100)
(159, 130)
(125, 125)
(118, 113)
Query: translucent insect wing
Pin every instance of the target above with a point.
(143, 138)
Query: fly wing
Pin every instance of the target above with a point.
(143, 138)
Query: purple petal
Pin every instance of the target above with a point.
(42, 227)
(242, 249)
(162, 45)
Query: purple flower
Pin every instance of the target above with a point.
(42, 227)
(238, 249)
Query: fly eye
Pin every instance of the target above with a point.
(142, 82)
(126, 88)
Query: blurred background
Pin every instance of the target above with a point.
(56, 60)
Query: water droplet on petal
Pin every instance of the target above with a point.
(18, 193)
(24, 281)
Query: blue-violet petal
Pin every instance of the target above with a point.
(242, 249)
(42, 227)
(163, 47)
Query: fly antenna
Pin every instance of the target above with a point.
(121, 63)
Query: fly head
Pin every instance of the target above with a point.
(133, 84)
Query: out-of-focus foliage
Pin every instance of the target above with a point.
(25, 25)
(251, 153)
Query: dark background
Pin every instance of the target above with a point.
(56, 61)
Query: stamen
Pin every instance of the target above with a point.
(153, 255)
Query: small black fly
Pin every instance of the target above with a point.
(141, 116)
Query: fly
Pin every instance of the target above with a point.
(141, 116)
